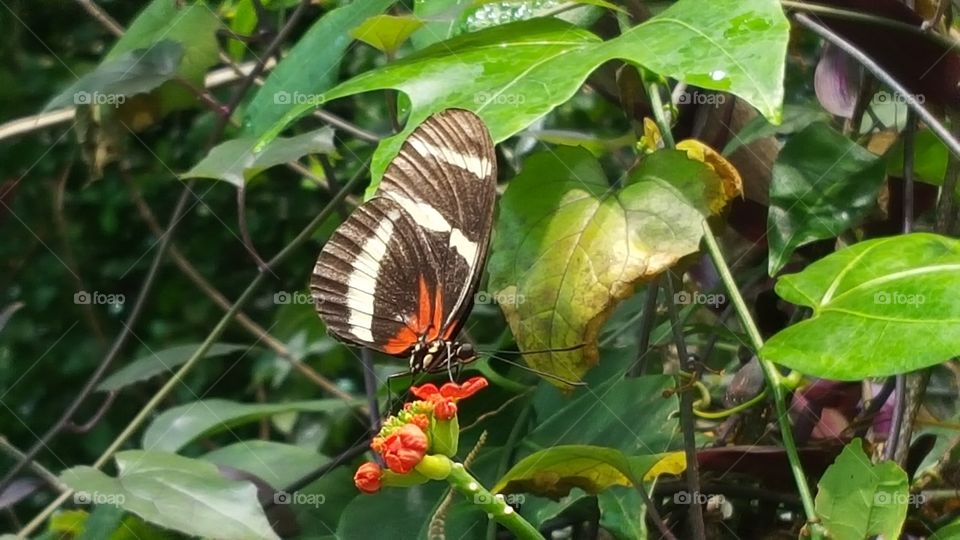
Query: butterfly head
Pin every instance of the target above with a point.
(439, 355)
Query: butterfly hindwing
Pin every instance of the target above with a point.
(405, 264)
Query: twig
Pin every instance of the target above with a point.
(858, 16)
(774, 380)
(95, 419)
(201, 351)
(41, 471)
(909, 136)
(946, 206)
(115, 348)
(647, 322)
(928, 117)
(190, 271)
(687, 420)
(102, 17)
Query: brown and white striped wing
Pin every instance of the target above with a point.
(445, 176)
(405, 264)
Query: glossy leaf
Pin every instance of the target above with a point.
(179, 493)
(948, 532)
(176, 427)
(236, 161)
(275, 463)
(568, 247)
(623, 513)
(858, 499)
(603, 426)
(553, 472)
(159, 362)
(129, 74)
(386, 33)
(311, 66)
(194, 26)
(795, 118)
(734, 46)
(440, 19)
(823, 184)
(880, 307)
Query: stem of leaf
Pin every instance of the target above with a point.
(493, 505)
(774, 381)
(201, 351)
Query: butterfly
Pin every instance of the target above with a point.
(400, 274)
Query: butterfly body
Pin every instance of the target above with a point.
(399, 275)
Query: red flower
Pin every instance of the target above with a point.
(450, 390)
(445, 409)
(367, 478)
(404, 448)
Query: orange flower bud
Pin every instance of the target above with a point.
(367, 478)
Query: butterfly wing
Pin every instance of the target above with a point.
(405, 264)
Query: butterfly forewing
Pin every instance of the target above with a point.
(404, 265)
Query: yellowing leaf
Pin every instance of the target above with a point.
(673, 463)
(386, 32)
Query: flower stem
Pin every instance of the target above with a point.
(774, 381)
(493, 505)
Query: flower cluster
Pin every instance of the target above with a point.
(415, 443)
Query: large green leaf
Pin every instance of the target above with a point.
(513, 74)
(179, 493)
(238, 160)
(823, 183)
(858, 499)
(128, 74)
(275, 463)
(160, 362)
(628, 414)
(880, 307)
(623, 513)
(568, 246)
(176, 427)
(312, 66)
(194, 26)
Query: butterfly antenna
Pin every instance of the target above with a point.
(543, 351)
(537, 371)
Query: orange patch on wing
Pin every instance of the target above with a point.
(425, 322)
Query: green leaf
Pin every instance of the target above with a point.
(823, 184)
(179, 493)
(440, 17)
(176, 427)
(237, 161)
(243, 23)
(880, 307)
(386, 32)
(858, 499)
(706, 44)
(795, 118)
(569, 248)
(311, 66)
(275, 463)
(623, 513)
(553, 472)
(929, 161)
(160, 362)
(948, 532)
(129, 74)
(102, 521)
(604, 426)
(194, 26)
